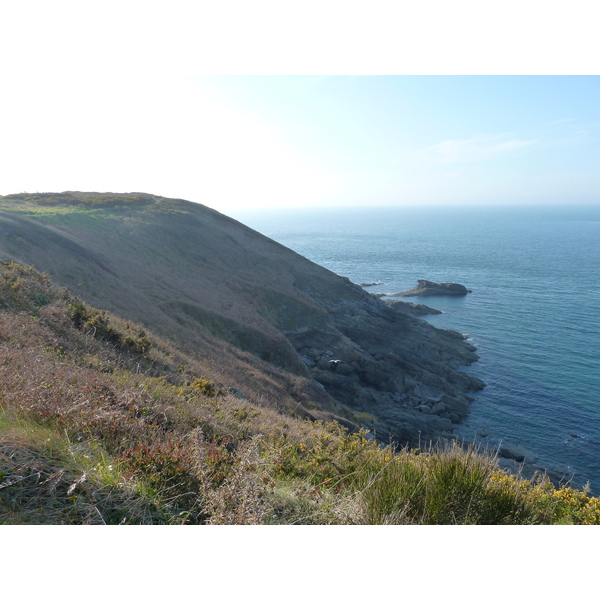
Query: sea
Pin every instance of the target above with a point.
(533, 314)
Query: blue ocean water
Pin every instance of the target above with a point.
(534, 313)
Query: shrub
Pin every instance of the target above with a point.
(101, 325)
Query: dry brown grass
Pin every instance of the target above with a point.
(64, 379)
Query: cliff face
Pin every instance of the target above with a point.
(267, 321)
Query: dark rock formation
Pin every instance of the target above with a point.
(516, 452)
(410, 308)
(392, 366)
(429, 288)
(371, 284)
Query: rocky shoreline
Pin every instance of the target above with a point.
(397, 373)
(416, 310)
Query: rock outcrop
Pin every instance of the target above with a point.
(410, 308)
(516, 452)
(397, 369)
(429, 288)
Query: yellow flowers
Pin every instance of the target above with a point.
(575, 506)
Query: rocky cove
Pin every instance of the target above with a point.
(399, 375)
(263, 320)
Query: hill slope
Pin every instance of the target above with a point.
(260, 317)
(102, 422)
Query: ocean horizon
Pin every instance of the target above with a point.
(533, 313)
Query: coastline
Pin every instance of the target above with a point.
(533, 313)
(514, 456)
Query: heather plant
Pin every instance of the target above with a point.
(46, 478)
(168, 469)
(243, 496)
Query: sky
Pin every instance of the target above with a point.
(236, 108)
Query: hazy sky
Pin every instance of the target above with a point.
(115, 96)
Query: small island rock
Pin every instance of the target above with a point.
(429, 288)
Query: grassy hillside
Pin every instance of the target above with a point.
(103, 422)
(259, 316)
(170, 265)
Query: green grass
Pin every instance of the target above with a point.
(75, 209)
(43, 211)
(77, 199)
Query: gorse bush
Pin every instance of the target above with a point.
(101, 422)
(23, 288)
(99, 324)
(204, 387)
